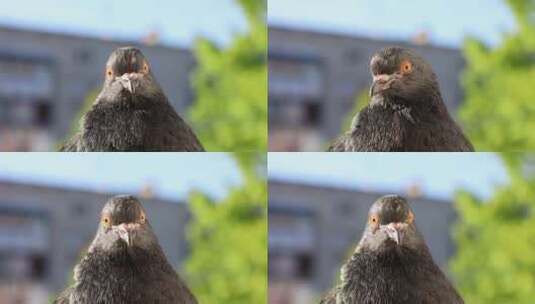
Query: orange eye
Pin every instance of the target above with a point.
(406, 67)
(145, 68)
(143, 218)
(106, 221)
(374, 219)
(410, 217)
(109, 72)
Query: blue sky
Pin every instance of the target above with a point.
(172, 175)
(179, 22)
(447, 21)
(438, 174)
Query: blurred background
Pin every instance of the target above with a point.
(199, 206)
(474, 210)
(211, 63)
(481, 50)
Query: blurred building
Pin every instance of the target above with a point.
(315, 77)
(45, 78)
(43, 231)
(313, 229)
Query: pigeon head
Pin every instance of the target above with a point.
(390, 225)
(399, 72)
(128, 73)
(124, 226)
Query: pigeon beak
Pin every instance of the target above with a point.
(379, 83)
(395, 232)
(125, 232)
(127, 83)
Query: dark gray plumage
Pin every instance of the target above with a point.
(392, 263)
(406, 111)
(125, 263)
(132, 113)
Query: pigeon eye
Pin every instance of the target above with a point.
(145, 68)
(143, 218)
(109, 72)
(410, 217)
(106, 221)
(374, 219)
(406, 67)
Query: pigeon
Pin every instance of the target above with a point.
(392, 263)
(406, 111)
(125, 263)
(131, 113)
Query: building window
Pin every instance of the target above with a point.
(82, 56)
(79, 210)
(4, 107)
(355, 56)
(25, 113)
(346, 208)
(296, 78)
(304, 265)
(42, 114)
(312, 113)
(38, 267)
(27, 86)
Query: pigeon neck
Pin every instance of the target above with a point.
(118, 274)
(386, 275)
